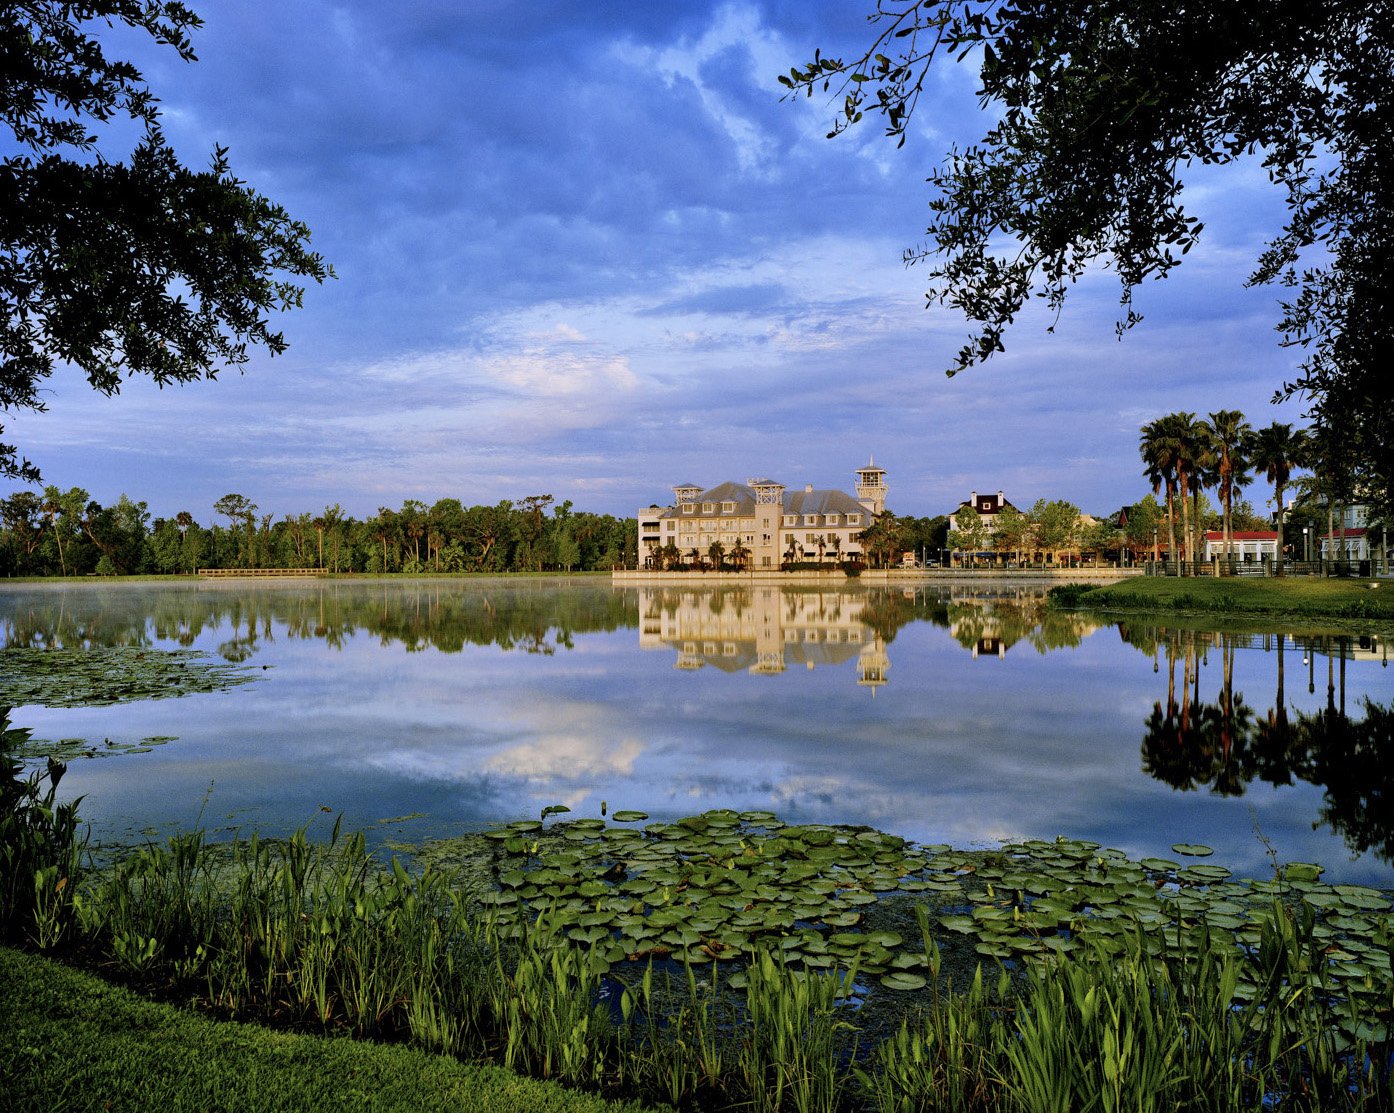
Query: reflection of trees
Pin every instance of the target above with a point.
(885, 612)
(1223, 745)
(445, 617)
(1354, 761)
(1193, 743)
(974, 621)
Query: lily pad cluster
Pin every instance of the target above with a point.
(71, 749)
(100, 675)
(715, 887)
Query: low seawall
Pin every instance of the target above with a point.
(882, 576)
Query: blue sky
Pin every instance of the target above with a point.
(586, 250)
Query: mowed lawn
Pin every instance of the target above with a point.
(70, 1041)
(1308, 596)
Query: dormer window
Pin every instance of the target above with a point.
(688, 508)
(832, 519)
(810, 519)
(728, 507)
(854, 519)
(791, 519)
(708, 507)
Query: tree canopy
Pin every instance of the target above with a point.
(1103, 105)
(120, 268)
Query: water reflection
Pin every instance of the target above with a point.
(511, 615)
(1225, 745)
(474, 700)
(765, 631)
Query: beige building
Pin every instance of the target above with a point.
(759, 524)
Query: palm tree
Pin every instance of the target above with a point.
(1197, 465)
(1160, 450)
(1275, 451)
(716, 552)
(1230, 433)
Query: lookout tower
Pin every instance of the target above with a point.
(871, 487)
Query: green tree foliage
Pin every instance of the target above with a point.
(1144, 522)
(1012, 532)
(137, 267)
(1100, 106)
(970, 535)
(66, 532)
(1056, 524)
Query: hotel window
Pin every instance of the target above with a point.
(854, 519)
(810, 519)
(791, 519)
(728, 507)
(672, 526)
(832, 519)
(708, 507)
(688, 508)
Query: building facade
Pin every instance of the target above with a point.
(1245, 545)
(760, 524)
(1351, 537)
(986, 507)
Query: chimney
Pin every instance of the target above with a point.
(808, 488)
(973, 498)
(1000, 500)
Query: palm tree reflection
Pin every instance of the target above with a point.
(1224, 746)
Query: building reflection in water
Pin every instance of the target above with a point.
(765, 630)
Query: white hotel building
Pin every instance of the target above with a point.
(771, 523)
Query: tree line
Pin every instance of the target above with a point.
(67, 533)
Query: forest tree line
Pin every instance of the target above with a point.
(67, 533)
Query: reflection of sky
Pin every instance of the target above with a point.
(952, 749)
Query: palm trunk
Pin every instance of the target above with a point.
(1278, 556)
(1182, 484)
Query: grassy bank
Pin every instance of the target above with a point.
(1305, 597)
(70, 1041)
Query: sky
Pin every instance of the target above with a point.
(589, 251)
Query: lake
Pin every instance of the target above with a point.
(966, 714)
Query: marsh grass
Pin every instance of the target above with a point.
(320, 938)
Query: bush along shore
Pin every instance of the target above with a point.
(729, 961)
(1306, 597)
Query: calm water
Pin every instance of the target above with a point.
(958, 716)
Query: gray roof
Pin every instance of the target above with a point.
(799, 502)
(821, 502)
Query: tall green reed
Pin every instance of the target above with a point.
(41, 848)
